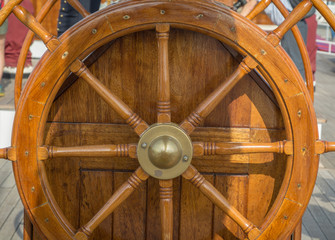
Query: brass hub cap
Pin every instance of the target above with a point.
(164, 151)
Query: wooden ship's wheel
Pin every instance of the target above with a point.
(165, 120)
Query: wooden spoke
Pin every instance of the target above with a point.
(119, 150)
(260, 7)
(77, 5)
(163, 104)
(292, 19)
(25, 49)
(116, 103)
(118, 197)
(27, 19)
(166, 207)
(220, 201)
(324, 147)
(222, 148)
(8, 153)
(208, 105)
(7, 9)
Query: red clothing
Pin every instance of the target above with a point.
(15, 37)
(311, 40)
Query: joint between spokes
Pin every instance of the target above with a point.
(78, 67)
(248, 64)
(83, 234)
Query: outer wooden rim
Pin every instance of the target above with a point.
(295, 103)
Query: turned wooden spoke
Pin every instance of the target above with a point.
(221, 148)
(260, 7)
(163, 104)
(27, 19)
(7, 9)
(8, 153)
(301, 44)
(292, 19)
(119, 150)
(220, 201)
(208, 105)
(166, 207)
(117, 198)
(79, 8)
(325, 12)
(25, 49)
(115, 102)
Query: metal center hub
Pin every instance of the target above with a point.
(164, 151)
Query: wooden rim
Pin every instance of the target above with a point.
(212, 20)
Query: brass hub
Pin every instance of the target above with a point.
(164, 151)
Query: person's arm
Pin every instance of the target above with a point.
(247, 8)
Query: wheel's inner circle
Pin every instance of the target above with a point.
(164, 151)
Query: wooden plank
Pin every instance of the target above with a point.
(235, 189)
(312, 226)
(8, 229)
(325, 188)
(196, 212)
(321, 218)
(9, 182)
(324, 203)
(8, 205)
(131, 214)
(304, 234)
(96, 185)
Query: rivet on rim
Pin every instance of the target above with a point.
(162, 12)
(94, 31)
(26, 153)
(126, 17)
(299, 113)
(65, 54)
(199, 16)
(263, 52)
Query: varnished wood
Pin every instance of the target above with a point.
(117, 104)
(296, 15)
(27, 19)
(324, 147)
(77, 5)
(118, 197)
(208, 105)
(258, 9)
(245, 107)
(25, 49)
(301, 44)
(7, 9)
(120, 150)
(166, 208)
(220, 148)
(219, 200)
(163, 103)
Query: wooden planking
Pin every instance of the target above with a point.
(131, 214)
(96, 185)
(153, 211)
(235, 189)
(196, 212)
(13, 222)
